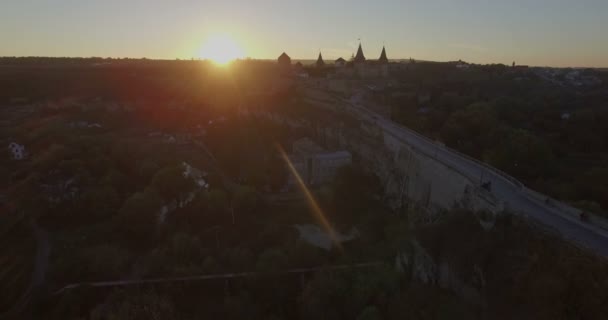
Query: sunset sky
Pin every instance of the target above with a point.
(534, 32)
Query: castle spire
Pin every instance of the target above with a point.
(320, 62)
(359, 57)
(383, 58)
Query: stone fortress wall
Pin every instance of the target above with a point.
(409, 175)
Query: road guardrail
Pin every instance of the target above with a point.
(541, 199)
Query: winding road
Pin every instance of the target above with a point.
(515, 196)
(504, 188)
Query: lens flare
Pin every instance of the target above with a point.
(314, 205)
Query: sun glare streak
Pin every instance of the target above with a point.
(314, 205)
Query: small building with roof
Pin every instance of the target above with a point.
(314, 165)
(340, 62)
(284, 60)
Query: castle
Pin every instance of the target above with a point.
(357, 67)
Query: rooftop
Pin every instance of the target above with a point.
(359, 57)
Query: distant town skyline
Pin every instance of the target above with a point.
(556, 33)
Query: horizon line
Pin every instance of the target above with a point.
(293, 59)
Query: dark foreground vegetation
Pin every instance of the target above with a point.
(18, 250)
(505, 273)
(108, 147)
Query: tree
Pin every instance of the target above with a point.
(139, 215)
(105, 262)
(185, 248)
(194, 216)
(593, 185)
(99, 202)
(171, 183)
(302, 254)
(49, 158)
(154, 264)
(271, 261)
(471, 129)
(124, 305)
(245, 198)
(240, 306)
(345, 294)
(397, 234)
(370, 313)
(210, 265)
(148, 168)
(218, 200)
(277, 175)
(28, 198)
(353, 194)
(324, 296)
(522, 154)
(239, 258)
(117, 180)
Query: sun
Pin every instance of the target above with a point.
(221, 49)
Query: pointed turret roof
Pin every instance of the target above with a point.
(359, 57)
(320, 61)
(383, 58)
(284, 59)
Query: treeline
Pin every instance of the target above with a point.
(552, 138)
(27, 80)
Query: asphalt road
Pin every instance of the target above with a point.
(515, 196)
(505, 188)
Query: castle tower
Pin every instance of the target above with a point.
(320, 62)
(359, 57)
(383, 58)
(284, 59)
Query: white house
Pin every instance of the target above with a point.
(17, 151)
(196, 175)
